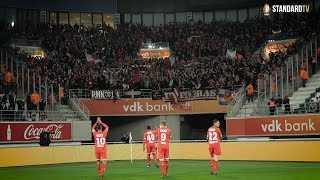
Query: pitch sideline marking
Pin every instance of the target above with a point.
(177, 163)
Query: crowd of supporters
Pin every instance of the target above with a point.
(199, 62)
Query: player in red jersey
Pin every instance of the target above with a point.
(214, 137)
(149, 144)
(164, 135)
(100, 145)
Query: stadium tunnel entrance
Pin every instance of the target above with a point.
(184, 127)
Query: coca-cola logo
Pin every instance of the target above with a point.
(32, 132)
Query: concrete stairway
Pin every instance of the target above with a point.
(67, 113)
(302, 93)
(247, 109)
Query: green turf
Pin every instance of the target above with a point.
(179, 170)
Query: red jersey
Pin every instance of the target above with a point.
(164, 135)
(149, 137)
(100, 139)
(214, 135)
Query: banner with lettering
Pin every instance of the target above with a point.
(190, 95)
(274, 126)
(105, 94)
(20, 132)
(151, 107)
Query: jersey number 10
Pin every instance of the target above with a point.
(101, 141)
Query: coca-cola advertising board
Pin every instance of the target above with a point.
(19, 132)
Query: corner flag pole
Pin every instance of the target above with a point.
(130, 141)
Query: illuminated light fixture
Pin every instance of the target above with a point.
(12, 23)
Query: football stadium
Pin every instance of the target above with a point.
(170, 89)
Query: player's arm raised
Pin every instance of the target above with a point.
(95, 125)
(106, 127)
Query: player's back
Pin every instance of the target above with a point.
(100, 140)
(149, 137)
(214, 135)
(164, 135)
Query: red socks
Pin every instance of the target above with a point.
(212, 165)
(148, 159)
(162, 167)
(167, 167)
(98, 168)
(103, 169)
(155, 158)
(215, 166)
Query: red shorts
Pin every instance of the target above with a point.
(163, 153)
(215, 150)
(101, 155)
(151, 148)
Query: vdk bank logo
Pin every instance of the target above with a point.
(285, 9)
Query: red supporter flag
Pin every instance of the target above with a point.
(174, 98)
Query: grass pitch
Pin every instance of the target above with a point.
(179, 170)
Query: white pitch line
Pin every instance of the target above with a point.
(49, 166)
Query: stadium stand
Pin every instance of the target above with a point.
(118, 49)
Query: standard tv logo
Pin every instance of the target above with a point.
(285, 8)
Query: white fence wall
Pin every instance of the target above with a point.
(156, 19)
(181, 17)
(231, 15)
(198, 16)
(208, 16)
(169, 18)
(220, 15)
(147, 19)
(254, 12)
(127, 18)
(136, 18)
(242, 15)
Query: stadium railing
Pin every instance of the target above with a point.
(263, 110)
(19, 115)
(75, 103)
(26, 42)
(237, 102)
(189, 94)
(286, 79)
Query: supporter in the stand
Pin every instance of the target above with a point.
(313, 64)
(279, 103)
(12, 100)
(42, 105)
(272, 106)
(304, 76)
(195, 45)
(318, 104)
(250, 92)
(7, 81)
(286, 103)
(35, 99)
(30, 105)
